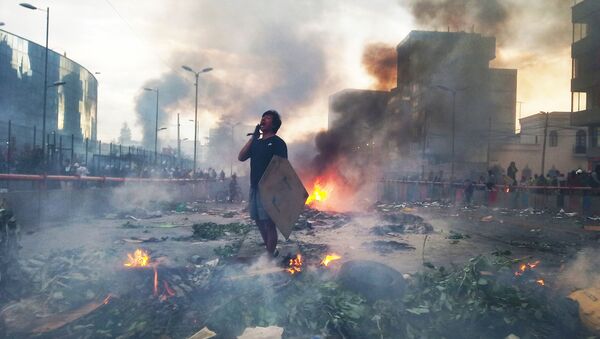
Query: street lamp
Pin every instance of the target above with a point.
(156, 123)
(47, 10)
(205, 70)
(453, 91)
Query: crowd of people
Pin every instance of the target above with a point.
(553, 178)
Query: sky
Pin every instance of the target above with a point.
(282, 54)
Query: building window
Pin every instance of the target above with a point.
(580, 142)
(580, 137)
(579, 31)
(579, 101)
(553, 138)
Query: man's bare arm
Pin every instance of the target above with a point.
(245, 152)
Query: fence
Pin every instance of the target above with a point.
(38, 198)
(582, 200)
(21, 152)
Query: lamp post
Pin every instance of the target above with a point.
(196, 74)
(453, 91)
(155, 124)
(47, 10)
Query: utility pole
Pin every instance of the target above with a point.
(489, 143)
(544, 145)
(178, 141)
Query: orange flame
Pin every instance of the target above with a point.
(329, 258)
(295, 265)
(319, 193)
(155, 281)
(540, 282)
(140, 258)
(168, 290)
(524, 267)
(107, 299)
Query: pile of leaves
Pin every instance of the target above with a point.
(67, 278)
(484, 299)
(213, 231)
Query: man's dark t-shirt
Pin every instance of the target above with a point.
(261, 152)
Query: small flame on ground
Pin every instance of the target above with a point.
(295, 265)
(329, 258)
(525, 267)
(319, 193)
(155, 281)
(540, 282)
(139, 258)
(107, 299)
(168, 290)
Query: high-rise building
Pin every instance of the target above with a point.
(70, 108)
(585, 79)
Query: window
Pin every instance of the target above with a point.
(553, 138)
(580, 137)
(579, 101)
(579, 31)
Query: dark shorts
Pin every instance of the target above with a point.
(255, 206)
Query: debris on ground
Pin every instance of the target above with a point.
(213, 231)
(204, 333)
(271, 332)
(385, 247)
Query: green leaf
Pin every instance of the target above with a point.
(418, 310)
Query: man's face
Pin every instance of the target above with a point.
(266, 123)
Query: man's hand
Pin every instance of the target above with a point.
(256, 133)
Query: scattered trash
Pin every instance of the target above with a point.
(204, 333)
(271, 332)
(487, 219)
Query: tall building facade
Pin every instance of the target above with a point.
(585, 79)
(459, 106)
(71, 108)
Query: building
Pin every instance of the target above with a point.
(565, 145)
(585, 79)
(445, 113)
(71, 107)
(456, 99)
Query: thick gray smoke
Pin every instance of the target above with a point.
(172, 89)
(262, 59)
(534, 27)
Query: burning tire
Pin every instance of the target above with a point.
(372, 279)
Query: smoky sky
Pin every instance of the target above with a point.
(171, 90)
(379, 59)
(538, 26)
(264, 56)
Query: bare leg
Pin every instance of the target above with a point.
(271, 237)
(262, 227)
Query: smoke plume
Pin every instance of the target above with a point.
(380, 61)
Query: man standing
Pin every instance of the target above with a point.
(260, 150)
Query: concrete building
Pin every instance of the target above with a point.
(585, 80)
(565, 145)
(456, 99)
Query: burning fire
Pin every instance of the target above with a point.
(525, 267)
(295, 264)
(329, 258)
(140, 258)
(319, 193)
(540, 282)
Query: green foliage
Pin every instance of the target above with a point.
(213, 231)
